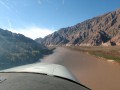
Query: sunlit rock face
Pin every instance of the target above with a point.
(93, 32)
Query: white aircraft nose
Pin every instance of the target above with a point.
(45, 68)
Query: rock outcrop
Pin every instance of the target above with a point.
(101, 30)
(16, 49)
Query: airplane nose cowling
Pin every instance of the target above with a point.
(45, 68)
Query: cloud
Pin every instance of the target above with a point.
(33, 32)
(9, 24)
(4, 4)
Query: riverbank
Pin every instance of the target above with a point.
(91, 71)
(111, 53)
(19, 59)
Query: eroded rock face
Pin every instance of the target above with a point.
(101, 30)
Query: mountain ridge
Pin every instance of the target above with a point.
(101, 30)
(16, 49)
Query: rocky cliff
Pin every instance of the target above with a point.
(100, 30)
(16, 49)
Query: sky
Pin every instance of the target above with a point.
(38, 18)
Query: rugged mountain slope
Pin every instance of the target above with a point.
(101, 30)
(16, 49)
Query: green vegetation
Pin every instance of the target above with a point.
(10, 59)
(111, 52)
(16, 49)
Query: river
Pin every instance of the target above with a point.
(93, 72)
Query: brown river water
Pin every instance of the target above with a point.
(93, 72)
